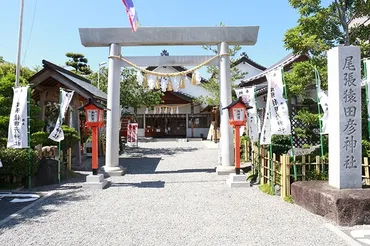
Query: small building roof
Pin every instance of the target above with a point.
(245, 59)
(239, 100)
(93, 102)
(52, 74)
(286, 63)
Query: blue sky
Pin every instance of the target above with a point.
(55, 26)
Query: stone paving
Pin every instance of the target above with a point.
(170, 196)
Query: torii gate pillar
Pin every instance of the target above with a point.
(114, 114)
(226, 140)
(170, 36)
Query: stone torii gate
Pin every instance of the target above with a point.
(114, 38)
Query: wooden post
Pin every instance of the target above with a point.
(268, 169)
(318, 161)
(367, 172)
(262, 161)
(283, 180)
(287, 163)
(273, 169)
(253, 156)
(245, 151)
(69, 166)
(216, 121)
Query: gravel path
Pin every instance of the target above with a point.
(171, 196)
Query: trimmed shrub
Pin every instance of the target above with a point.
(16, 163)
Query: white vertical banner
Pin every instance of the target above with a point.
(253, 119)
(57, 134)
(266, 127)
(324, 103)
(280, 122)
(18, 123)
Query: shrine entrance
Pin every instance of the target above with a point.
(165, 125)
(114, 38)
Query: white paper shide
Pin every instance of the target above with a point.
(18, 123)
(57, 134)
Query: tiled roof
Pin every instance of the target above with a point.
(78, 80)
(87, 86)
(246, 59)
(287, 60)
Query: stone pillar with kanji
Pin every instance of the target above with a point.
(344, 88)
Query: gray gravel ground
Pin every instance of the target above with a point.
(170, 197)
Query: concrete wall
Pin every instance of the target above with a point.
(251, 71)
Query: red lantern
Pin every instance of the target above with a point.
(94, 114)
(237, 118)
(94, 119)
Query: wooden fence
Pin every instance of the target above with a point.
(275, 170)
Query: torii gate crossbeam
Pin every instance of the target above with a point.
(167, 36)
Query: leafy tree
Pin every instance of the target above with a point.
(319, 29)
(79, 63)
(2, 59)
(213, 85)
(134, 95)
(7, 68)
(103, 79)
(7, 80)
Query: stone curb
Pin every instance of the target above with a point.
(342, 235)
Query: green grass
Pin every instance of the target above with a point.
(268, 189)
(288, 199)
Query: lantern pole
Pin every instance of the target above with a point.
(95, 150)
(237, 149)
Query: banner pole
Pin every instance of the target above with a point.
(291, 136)
(320, 121)
(61, 121)
(29, 138)
(258, 143)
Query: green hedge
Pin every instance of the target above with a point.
(15, 162)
